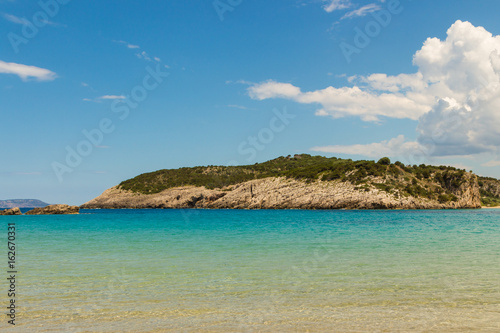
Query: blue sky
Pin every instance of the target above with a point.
(93, 93)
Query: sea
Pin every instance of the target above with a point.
(254, 271)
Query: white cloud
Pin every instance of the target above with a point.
(54, 24)
(112, 97)
(346, 101)
(128, 45)
(273, 89)
(465, 77)
(24, 21)
(393, 84)
(454, 95)
(394, 147)
(27, 72)
(235, 106)
(104, 98)
(363, 11)
(15, 19)
(141, 55)
(333, 5)
(144, 55)
(491, 164)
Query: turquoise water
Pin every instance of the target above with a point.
(257, 271)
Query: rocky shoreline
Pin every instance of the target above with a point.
(49, 210)
(11, 211)
(283, 193)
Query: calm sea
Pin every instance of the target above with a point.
(256, 271)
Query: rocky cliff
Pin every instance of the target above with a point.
(376, 186)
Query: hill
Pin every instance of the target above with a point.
(304, 181)
(22, 203)
(490, 191)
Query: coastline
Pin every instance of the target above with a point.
(283, 193)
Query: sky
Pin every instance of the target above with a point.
(96, 92)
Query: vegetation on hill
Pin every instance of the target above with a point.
(490, 191)
(433, 182)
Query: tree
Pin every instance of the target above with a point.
(384, 161)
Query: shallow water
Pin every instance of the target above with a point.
(258, 271)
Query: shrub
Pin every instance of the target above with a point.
(444, 198)
(302, 167)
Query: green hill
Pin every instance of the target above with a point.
(439, 183)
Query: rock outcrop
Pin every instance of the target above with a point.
(286, 193)
(12, 211)
(54, 210)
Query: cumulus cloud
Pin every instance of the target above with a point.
(465, 77)
(272, 89)
(345, 101)
(27, 72)
(454, 95)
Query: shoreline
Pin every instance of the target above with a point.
(295, 209)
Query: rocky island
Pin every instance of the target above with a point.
(54, 210)
(48, 210)
(305, 182)
(11, 211)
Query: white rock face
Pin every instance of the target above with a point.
(282, 193)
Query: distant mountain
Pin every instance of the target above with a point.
(22, 203)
